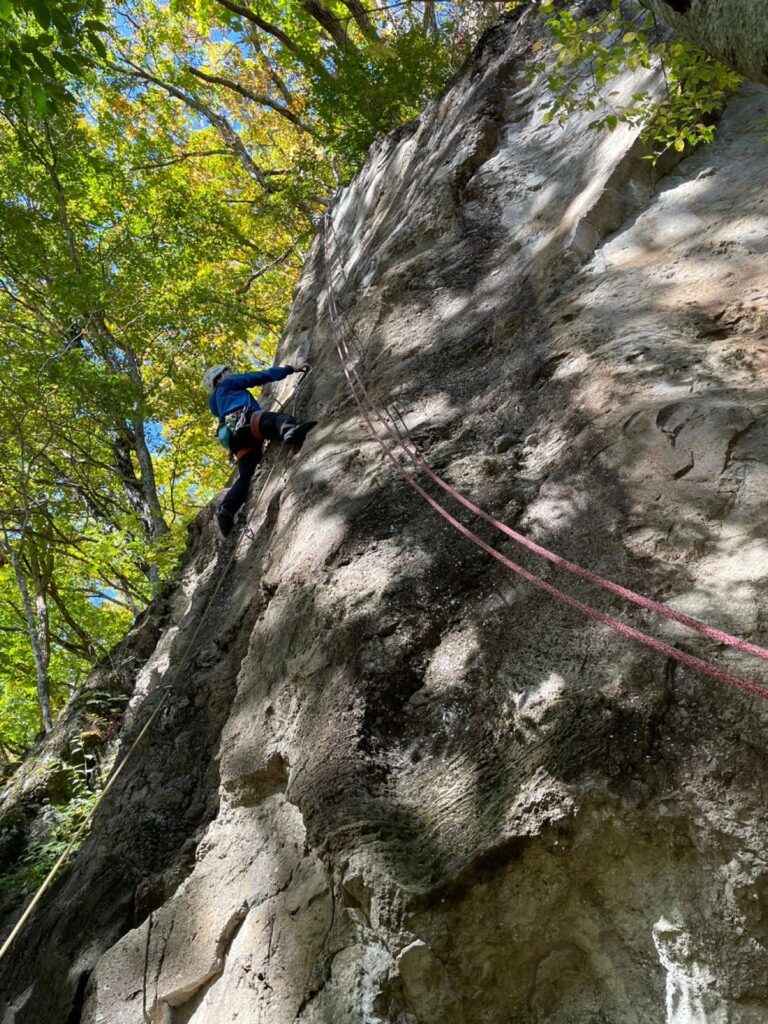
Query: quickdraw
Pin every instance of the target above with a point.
(230, 424)
(235, 421)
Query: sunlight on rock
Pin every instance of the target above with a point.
(748, 563)
(554, 511)
(691, 996)
(450, 661)
(538, 700)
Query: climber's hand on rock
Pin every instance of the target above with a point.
(304, 368)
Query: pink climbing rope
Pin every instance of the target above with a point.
(718, 635)
(691, 661)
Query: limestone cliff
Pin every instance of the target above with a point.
(394, 783)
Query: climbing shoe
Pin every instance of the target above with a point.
(225, 521)
(297, 435)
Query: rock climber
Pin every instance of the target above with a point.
(244, 426)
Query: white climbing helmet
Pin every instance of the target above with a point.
(210, 375)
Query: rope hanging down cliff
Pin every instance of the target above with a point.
(165, 693)
(360, 393)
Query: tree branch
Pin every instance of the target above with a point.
(364, 22)
(255, 97)
(263, 270)
(180, 158)
(228, 134)
(307, 59)
(90, 646)
(329, 22)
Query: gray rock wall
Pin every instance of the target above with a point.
(396, 784)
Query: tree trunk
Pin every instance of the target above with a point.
(135, 433)
(148, 480)
(122, 448)
(331, 23)
(36, 627)
(99, 326)
(364, 22)
(735, 32)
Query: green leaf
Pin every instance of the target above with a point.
(57, 91)
(42, 12)
(45, 64)
(17, 61)
(98, 45)
(39, 99)
(71, 64)
(60, 19)
(29, 43)
(381, 51)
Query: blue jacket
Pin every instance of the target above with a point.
(232, 392)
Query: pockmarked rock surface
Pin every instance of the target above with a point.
(396, 783)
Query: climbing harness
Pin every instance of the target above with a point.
(161, 706)
(254, 423)
(236, 420)
(341, 332)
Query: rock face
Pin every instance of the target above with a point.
(395, 783)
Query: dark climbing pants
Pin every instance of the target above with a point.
(273, 426)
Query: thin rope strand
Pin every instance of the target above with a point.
(718, 635)
(691, 661)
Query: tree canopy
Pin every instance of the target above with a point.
(42, 42)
